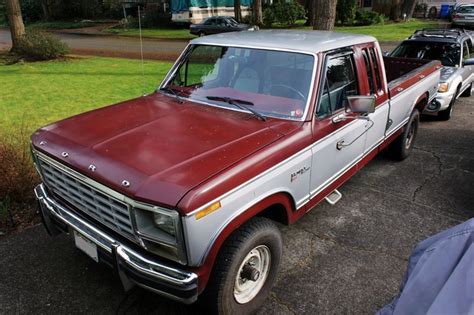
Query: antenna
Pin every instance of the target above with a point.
(141, 50)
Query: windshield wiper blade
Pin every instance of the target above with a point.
(172, 91)
(242, 104)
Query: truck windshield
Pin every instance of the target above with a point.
(448, 53)
(272, 83)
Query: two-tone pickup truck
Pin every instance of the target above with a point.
(178, 191)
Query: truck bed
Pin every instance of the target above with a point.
(405, 72)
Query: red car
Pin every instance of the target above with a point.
(178, 191)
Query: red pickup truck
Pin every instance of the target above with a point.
(178, 191)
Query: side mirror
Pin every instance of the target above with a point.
(358, 104)
(386, 53)
(361, 104)
(468, 62)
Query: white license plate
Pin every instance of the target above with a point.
(86, 246)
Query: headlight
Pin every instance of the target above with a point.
(443, 87)
(160, 232)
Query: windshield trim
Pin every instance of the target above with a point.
(188, 49)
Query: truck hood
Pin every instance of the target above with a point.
(161, 147)
(447, 73)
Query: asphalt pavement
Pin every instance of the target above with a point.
(112, 46)
(347, 258)
(123, 46)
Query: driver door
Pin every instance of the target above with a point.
(330, 160)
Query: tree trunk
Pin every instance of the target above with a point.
(17, 28)
(237, 11)
(257, 12)
(45, 8)
(409, 8)
(395, 10)
(324, 14)
(308, 5)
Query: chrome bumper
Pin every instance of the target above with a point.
(132, 267)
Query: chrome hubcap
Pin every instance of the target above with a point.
(252, 274)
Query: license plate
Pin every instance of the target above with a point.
(86, 246)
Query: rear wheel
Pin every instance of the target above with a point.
(403, 145)
(245, 269)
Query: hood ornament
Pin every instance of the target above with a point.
(125, 183)
(92, 168)
(64, 154)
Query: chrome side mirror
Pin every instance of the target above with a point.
(361, 104)
(358, 104)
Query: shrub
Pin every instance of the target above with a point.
(155, 17)
(346, 11)
(285, 13)
(368, 18)
(37, 45)
(17, 180)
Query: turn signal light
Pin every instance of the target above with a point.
(215, 206)
(443, 87)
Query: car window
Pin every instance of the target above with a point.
(448, 53)
(340, 82)
(210, 22)
(466, 9)
(275, 83)
(465, 51)
(369, 69)
(375, 62)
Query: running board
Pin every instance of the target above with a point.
(333, 197)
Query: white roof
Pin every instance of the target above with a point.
(303, 41)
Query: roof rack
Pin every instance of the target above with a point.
(439, 32)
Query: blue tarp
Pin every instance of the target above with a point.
(184, 5)
(440, 275)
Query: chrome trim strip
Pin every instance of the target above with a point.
(182, 278)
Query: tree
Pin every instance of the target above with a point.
(408, 7)
(237, 10)
(395, 10)
(324, 14)
(308, 6)
(257, 12)
(17, 28)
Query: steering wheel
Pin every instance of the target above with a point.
(298, 93)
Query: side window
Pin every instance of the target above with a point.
(465, 51)
(340, 82)
(375, 61)
(210, 22)
(370, 74)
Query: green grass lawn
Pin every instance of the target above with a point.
(35, 94)
(165, 33)
(389, 31)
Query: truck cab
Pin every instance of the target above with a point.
(181, 191)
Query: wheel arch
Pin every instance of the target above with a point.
(278, 207)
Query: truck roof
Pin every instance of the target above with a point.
(302, 41)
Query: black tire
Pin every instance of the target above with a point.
(447, 113)
(401, 148)
(468, 91)
(219, 295)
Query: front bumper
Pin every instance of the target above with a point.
(440, 103)
(133, 268)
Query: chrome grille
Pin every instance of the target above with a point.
(111, 212)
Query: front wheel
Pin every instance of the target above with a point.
(403, 145)
(245, 269)
(468, 91)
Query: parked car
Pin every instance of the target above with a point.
(179, 190)
(454, 49)
(463, 16)
(219, 24)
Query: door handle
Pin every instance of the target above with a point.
(399, 89)
(341, 144)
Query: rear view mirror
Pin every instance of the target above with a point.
(361, 104)
(469, 62)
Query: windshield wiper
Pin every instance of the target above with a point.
(238, 103)
(172, 91)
